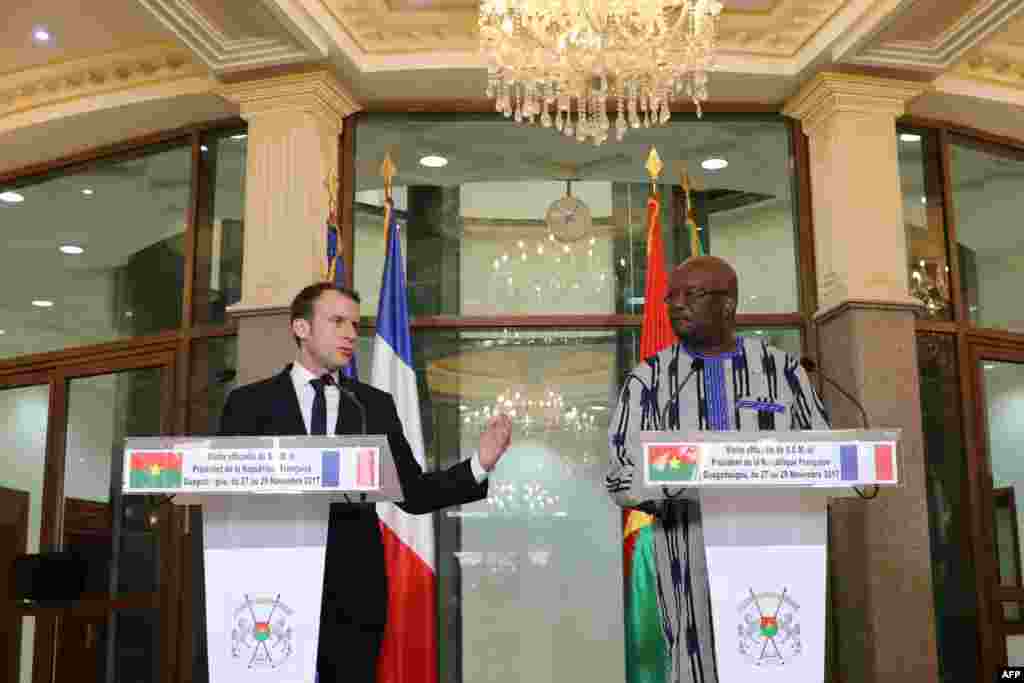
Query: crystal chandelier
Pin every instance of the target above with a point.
(561, 55)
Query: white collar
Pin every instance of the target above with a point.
(301, 375)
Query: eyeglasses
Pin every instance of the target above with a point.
(692, 295)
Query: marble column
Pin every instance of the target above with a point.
(880, 573)
(294, 124)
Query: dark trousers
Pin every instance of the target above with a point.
(347, 653)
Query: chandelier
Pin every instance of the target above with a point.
(549, 56)
(929, 284)
(545, 412)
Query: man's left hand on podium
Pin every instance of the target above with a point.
(495, 440)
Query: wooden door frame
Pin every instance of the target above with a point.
(982, 504)
(58, 378)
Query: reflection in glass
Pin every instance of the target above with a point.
(219, 225)
(985, 182)
(924, 221)
(523, 222)
(213, 375)
(1004, 404)
(23, 422)
(128, 279)
(524, 566)
(114, 532)
(953, 574)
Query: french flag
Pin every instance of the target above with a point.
(867, 462)
(409, 650)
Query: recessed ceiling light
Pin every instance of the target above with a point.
(924, 200)
(41, 35)
(204, 148)
(910, 137)
(714, 164)
(88, 191)
(42, 303)
(3, 331)
(433, 161)
(71, 249)
(11, 197)
(239, 136)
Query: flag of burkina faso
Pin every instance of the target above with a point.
(155, 470)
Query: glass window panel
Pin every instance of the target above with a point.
(219, 225)
(213, 375)
(24, 412)
(128, 218)
(924, 221)
(1015, 650)
(953, 572)
(1004, 402)
(102, 411)
(477, 236)
(985, 183)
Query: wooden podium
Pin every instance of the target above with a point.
(763, 498)
(266, 505)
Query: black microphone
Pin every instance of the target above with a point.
(811, 367)
(352, 397)
(696, 366)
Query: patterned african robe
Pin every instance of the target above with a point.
(754, 388)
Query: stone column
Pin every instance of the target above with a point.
(880, 571)
(294, 123)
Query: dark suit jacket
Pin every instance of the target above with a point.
(355, 581)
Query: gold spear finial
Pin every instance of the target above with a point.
(387, 169)
(653, 167)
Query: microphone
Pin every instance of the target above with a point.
(811, 367)
(696, 366)
(351, 395)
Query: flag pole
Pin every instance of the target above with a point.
(387, 170)
(654, 167)
(691, 221)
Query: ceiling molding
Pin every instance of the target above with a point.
(978, 24)
(318, 92)
(375, 38)
(113, 79)
(223, 54)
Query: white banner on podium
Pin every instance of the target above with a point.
(263, 622)
(768, 609)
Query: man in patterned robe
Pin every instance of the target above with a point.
(711, 380)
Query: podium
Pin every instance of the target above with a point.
(763, 499)
(266, 505)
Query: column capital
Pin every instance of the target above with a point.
(317, 92)
(828, 94)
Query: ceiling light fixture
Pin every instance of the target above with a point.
(204, 148)
(910, 137)
(71, 249)
(11, 197)
(42, 303)
(640, 54)
(41, 35)
(239, 136)
(88, 192)
(714, 164)
(433, 161)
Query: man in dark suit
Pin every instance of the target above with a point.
(310, 396)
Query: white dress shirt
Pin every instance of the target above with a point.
(301, 378)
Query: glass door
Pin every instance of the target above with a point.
(24, 411)
(1000, 381)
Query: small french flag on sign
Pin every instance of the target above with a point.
(867, 462)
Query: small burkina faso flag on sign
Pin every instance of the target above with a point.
(155, 470)
(672, 462)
